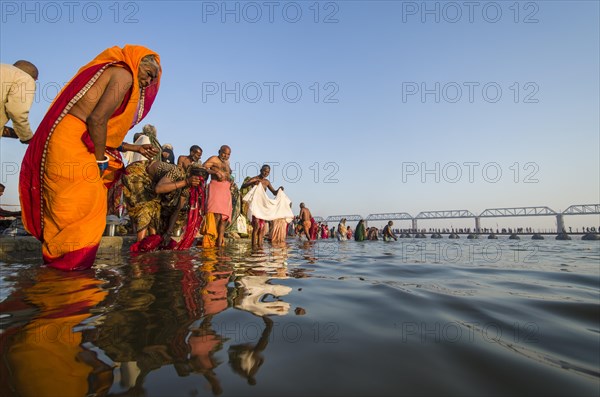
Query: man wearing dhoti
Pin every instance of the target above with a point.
(219, 206)
(262, 208)
(258, 224)
(306, 220)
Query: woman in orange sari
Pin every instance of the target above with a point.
(46, 357)
(73, 156)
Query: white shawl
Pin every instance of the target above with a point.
(262, 207)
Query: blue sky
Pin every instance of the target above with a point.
(360, 106)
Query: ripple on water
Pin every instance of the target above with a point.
(320, 318)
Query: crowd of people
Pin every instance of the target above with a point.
(77, 169)
(313, 230)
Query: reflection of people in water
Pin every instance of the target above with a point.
(149, 325)
(254, 288)
(215, 274)
(45, 357)
(246, 359)
(204, 342)
(255, 293)
(257, 283)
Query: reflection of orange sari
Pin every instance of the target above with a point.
(62, 195)
(45, 357)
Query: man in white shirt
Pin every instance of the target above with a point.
(17, 88)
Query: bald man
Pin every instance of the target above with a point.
(219, 197)
(305, 220)
(17, 89)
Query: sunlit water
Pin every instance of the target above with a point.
(412, 317)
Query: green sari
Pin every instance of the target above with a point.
(359, 233)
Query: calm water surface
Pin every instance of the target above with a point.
(412, 317)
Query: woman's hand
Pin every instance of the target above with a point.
(193, 180)
(147, 150)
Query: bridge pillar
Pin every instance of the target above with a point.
(560, 223)
(477, 224)
(414, 224)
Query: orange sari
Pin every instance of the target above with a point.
(63, 196)
(46, 358)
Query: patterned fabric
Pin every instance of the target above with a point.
(143, 205)
(242, 193)
(170, 201)
(236, 203)
(115, 198)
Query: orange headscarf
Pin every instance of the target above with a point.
(131, 57)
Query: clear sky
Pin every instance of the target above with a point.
(360, 106)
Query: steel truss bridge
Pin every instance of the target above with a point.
(577, 209)
(337, 218)
(393, 216)
(517, 211)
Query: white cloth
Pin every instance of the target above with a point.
(262, 207)
(241, 225)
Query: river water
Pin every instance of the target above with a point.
(412, 317)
